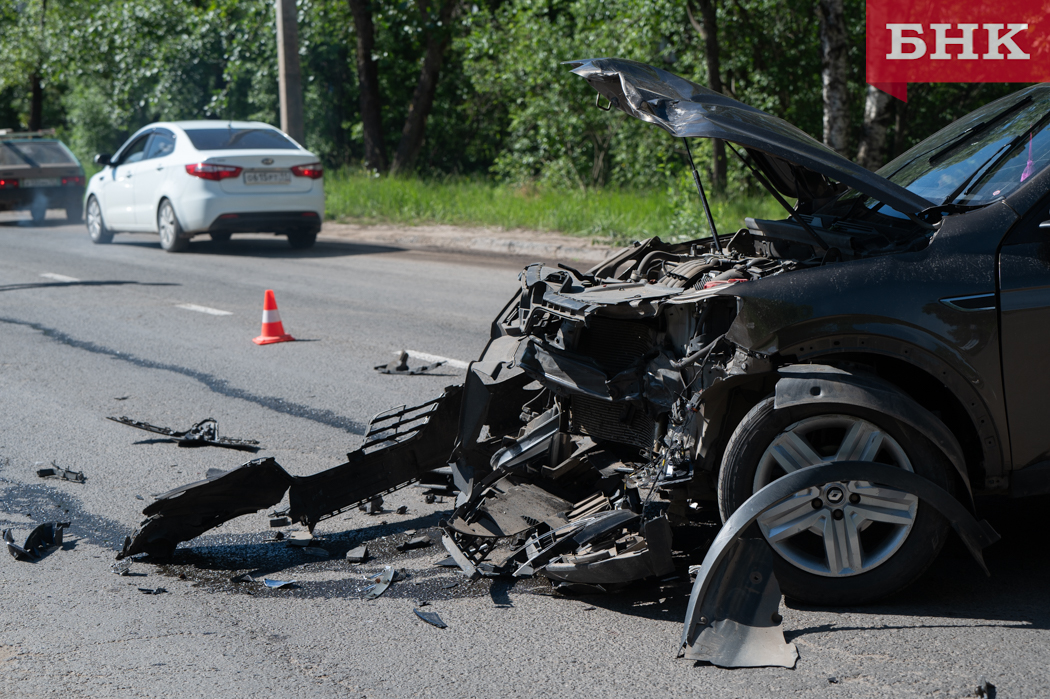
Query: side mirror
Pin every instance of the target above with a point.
(103, 159)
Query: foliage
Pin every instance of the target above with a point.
(612, 213)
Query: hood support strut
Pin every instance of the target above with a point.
(703, 197)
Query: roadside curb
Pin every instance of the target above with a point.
(494, 241)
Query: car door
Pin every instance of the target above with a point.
(1024, 303)
(119, 204)
(149, 177)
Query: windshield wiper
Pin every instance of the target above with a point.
(974, 130)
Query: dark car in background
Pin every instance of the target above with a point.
(37, 173)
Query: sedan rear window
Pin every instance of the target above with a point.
(34, 153)
(240, 139)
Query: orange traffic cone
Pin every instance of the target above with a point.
(272, 328)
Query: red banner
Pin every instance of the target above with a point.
(969, 41)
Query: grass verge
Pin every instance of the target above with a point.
(615, 215)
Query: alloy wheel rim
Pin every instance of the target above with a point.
(94, 219)
(844, 528)
(167, 224)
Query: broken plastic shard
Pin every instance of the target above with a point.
(449, 586)
(316, 551)
(418, 542)
(280, 522)
(242, 578)
(447, 562)
(381, 583)
(400, 366)
(204, 432)
(122, 567)
(357, 555)
(152, 590)
(300, 538)
(278, 584)
(431, 618)
(402, 510)
(44, 537)
(61, 473)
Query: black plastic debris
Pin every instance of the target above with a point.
(431, 618)
(205, 432)
(418, 542)
(280, 522)
(278, 584)
(61, 474)
(44, 537)
(403, 510)
(152, 590)
(242, 578)
(316, 552)
(357, 555)
(985, 690)
(373, 506)
(400, 366)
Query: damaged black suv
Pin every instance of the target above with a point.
(895, 319)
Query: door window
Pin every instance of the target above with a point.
(160, 145)
(134, 152)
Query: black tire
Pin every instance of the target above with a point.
(74, 213)
(169, 228)
(220, 236)
(300, 240)
(96, 225)
(901, 563)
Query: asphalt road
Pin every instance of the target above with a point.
(92, 331)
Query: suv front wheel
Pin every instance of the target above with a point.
(847, 542)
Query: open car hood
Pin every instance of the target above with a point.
(796, 164)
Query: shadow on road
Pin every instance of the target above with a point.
(276, 248)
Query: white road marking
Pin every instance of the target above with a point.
(423, 356)
(203, 309)
(58, 277)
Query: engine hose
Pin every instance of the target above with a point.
(697, 355)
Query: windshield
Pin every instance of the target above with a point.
(240, 139)
(35, 153)
(981, 157)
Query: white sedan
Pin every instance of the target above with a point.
(185, 178)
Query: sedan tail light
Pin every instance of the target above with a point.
(8, 184)
(209, 171)
(76, 179)
(314, 171)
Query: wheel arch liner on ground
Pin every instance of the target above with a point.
(743, 630)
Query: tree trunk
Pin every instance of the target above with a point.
(368, 82)
(36, 103)
(834, 49)
(423, 96)
(289, 75)
(707, 28)
(872, 151)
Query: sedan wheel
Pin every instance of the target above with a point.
(171, 238)
(846, 542)
(100, 235)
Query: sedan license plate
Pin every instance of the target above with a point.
(268, 177)
(42, 182)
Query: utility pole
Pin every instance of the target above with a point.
(290, 84)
